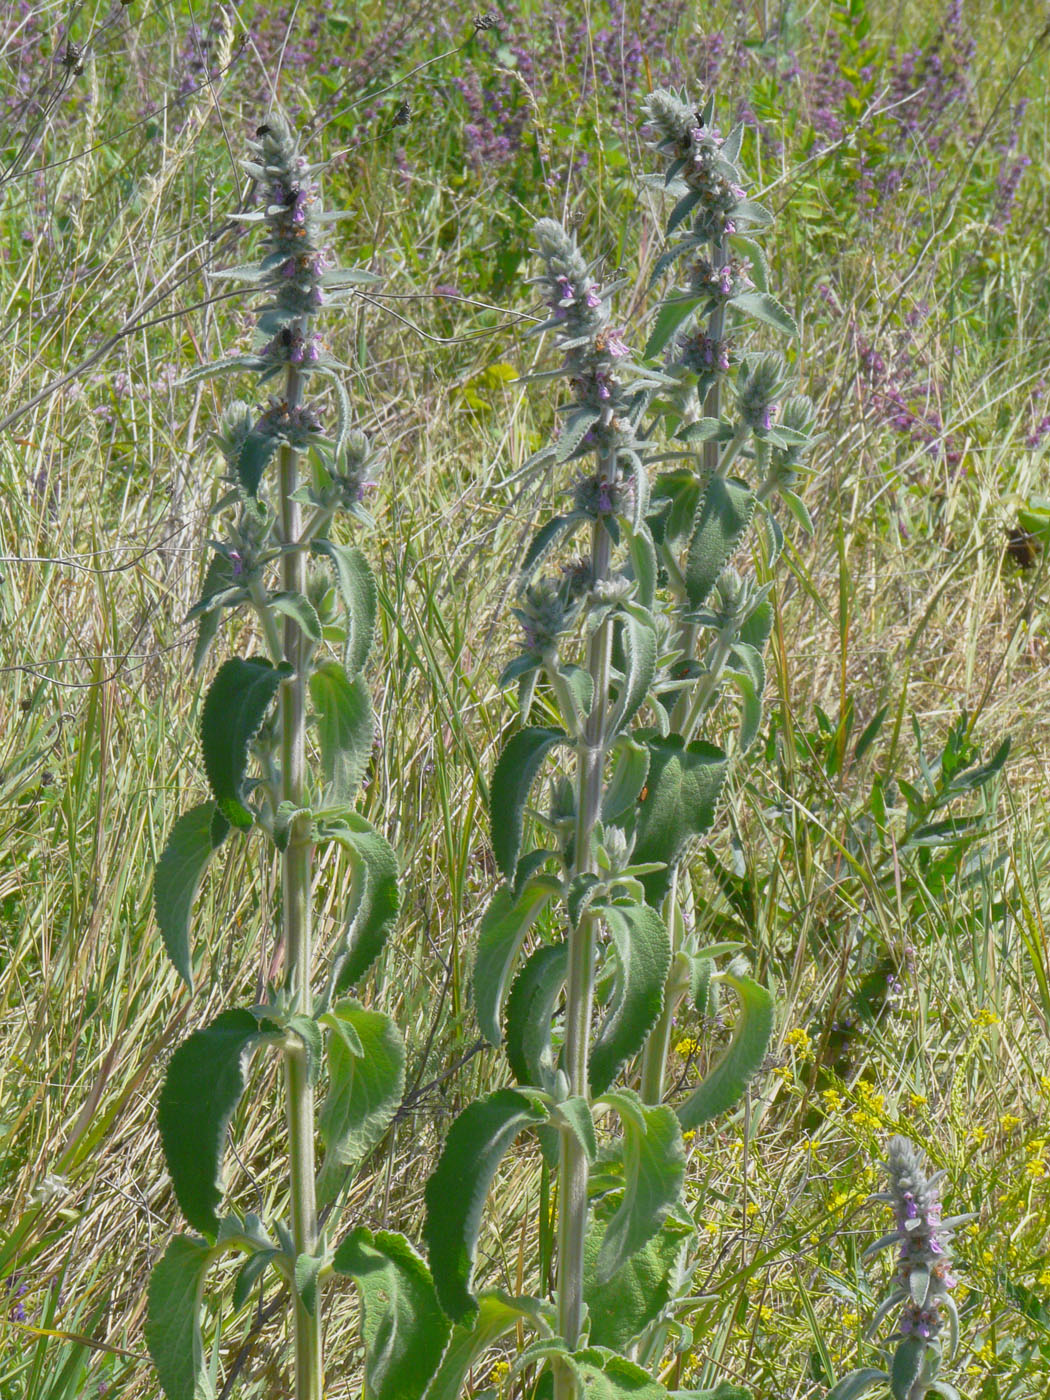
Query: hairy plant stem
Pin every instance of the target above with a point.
(296, 892)
(572, 1180)
(684, 717)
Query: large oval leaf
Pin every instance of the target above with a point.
(530, 1012)
(725, 1083)
(345, 728)
(643, 949)
(506, 922)
(455, 1193)
(725, 512)
(366, 1079)
(404, 1329)
(203, 1085)
(654, 1174)
(173, 1329)
(374, 896)
(176, 880)
(621, 1308)
(234, 708)
(512, 778)
(682, 789)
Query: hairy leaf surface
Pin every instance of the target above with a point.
(173, 1330)
(404, 1329)
(724, 1085)
(514, 774)
(366, 1079)
(504, 927)
(654, 1173)
(234, 708)
(455, 1194)
(203, 1085)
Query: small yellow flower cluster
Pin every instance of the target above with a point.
(832, 1100)
(984, 1017)
(1044, 1084)
(688, 1136)
(1009, 1123)
(849, 1319)
(799, 1040)
(871, 1107)
(687, 1046)
(499, 1372)
(917, 1101)
(1036, 1166)
(978, 1132)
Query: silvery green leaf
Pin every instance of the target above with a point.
(731, 145)
(752, 213)
(767, 309)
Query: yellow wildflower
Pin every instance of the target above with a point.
(985, 1017)
(799, 1039)
(832, 1099)
(1009, 1122)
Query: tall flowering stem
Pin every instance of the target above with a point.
(742, 439)
(314, 600)
(921, 1292)
(583, 956)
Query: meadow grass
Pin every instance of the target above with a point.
(903, 597)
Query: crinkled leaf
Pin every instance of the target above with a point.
(345, 728)
(629, 771)
(177, 879)
(621, 1308)
(643, 951)
(514, 774)
(366, 1079)
(749, 678)
(374, 897)
(300, 610)
(544, 541)
(173, 1329)
(905, 1367)
(725, 512)
(218, 579)
(639, 647)
(252, 459)
(249, 1274)
(455, 1193)
(668, 319)
(234, 708)
(724, 1085)
(575, 1115)
(574, 430)
(606, 1376)
(357, 588)
(203, 1085)
(530, 1012)
(405, 1331)
(654, 1174)
(504, 927)
(307, 1268)
(682, 789)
